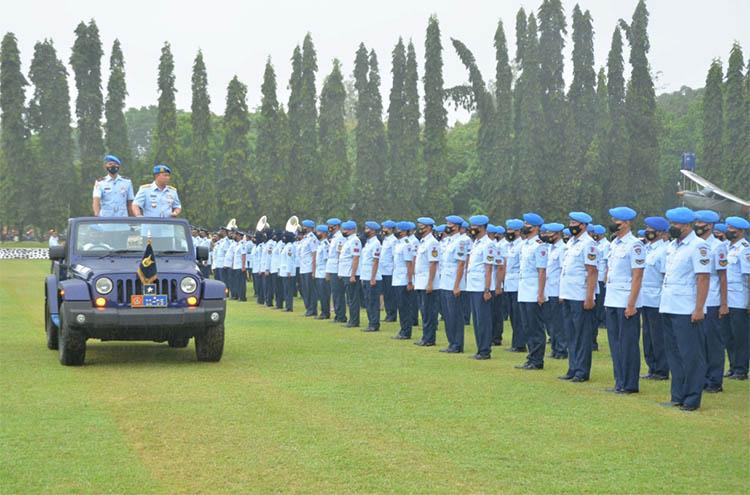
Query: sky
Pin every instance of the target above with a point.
(238, 36)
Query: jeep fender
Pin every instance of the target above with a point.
(53, 301)
(213, 289)
(75, 290)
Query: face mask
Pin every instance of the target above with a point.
(346, 234)
(473, 232)
(699, 230)
(574, 229)
(510, 236)
(362, 237)
(449, 229)
(731, 235)
(614, 227)
(675, 232)
(650, 235)
(525, 230)
(113, 170)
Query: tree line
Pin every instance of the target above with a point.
(533, 142)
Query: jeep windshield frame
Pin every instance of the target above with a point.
(100, 237)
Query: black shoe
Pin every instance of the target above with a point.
(735, 376)
(659, 377)
(310, 314)
(446, 349)
(371, 329)
(322, 317)
(648, 376)
(562, 356)
(389, 320)
(714, 390)
(612, 390)
(422, 343)
(688, 408)
(400, 337)
(578, 379)
(480, 357)
(497, 342)
(565, 377)
(243, 300)
(670, 404)
(352, 325)
(626, 392)
(529, 366)
(288, 310)
(595, 347)
(728, 374)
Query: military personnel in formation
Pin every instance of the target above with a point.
(287, 270)
(552, 310)
(625, 265)
(158, 199)
(736, 324)
(220, 249)
(239, 266)
(404, 251)
(513, 228)
(493, 233)
(266, 262)
(320, 262)
(426, 280)
(480, 285)
(338, 293)
(278, 276)
(258, 272)
(228, 273)
(597, 232)
(452, 262)
(466, 307)
(113, 193)
(578, 287)
(682, 306)
(653, 278)
(348, 269)
(386, 270)
(308, 248)
(531, 295)
(370, 276)
(720, 231)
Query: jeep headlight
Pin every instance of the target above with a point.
(188, 285)
(104, 286)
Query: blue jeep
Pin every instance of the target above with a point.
(95, 292)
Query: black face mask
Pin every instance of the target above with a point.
(473, 232)
(731, 235)
(650, 235)
(544, 238)
(449, 229)
(699, 230)
(346, 234)
(510, 236)
(362, 237)
(113, 170)
(675, 232)
(525, 230)
(614, 227)
(574, 229)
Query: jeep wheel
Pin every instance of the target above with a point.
(50, 329)
(210, 345)
(178, 342)
(72, 345)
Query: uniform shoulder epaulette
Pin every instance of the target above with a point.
(99, 179)
(172, 188)
(144, 185)
(538, 241)
(123, 177)
(745, 243)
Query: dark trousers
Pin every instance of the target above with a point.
(372, 302)
(288, 284)
(279, 290)
(481, 314)
(552, 314)
(240, 282)
(260, 288)
(227, 275)
(686, 358)
(217, 273)
(297, 282)
(497, 318)
(466, 307)
(389, 299)
(269, 285)
(653, 342)
(429, 306)
(403, 300)
(737, 340)
(624, 336)
(308, 294)
(338, 294)
(453, 317)
(323, 295)
(713, 348)
(516, 322)
(353, 300)
(536, 340)
(601, 319)
(580, 325)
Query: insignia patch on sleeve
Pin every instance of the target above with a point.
(705, 261)
(639, 261)
(637, 250)
(591, 256)
(723, 262)
(355, 250)
(703, 251)
(434, 253)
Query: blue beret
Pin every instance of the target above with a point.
(681, 214)
(641, 233)
(402, 225)
(322, 228)
(499, 229)
(464, 224)
(412, 225)
(333, 221)
(349, 225)
(590, 228)
(440, 228)
(513, 224)
(372, 225)
(533, 219)
(623, 213)
(553, 227)
(659, 224)
(566, 231)
(389, 224)
(720, 227)
(112, 158)
(161, 168)
(737, 223)
(455, 219)
(599, 229)
(580, 216)
(426, 221)
(308, 223)
(707, 216)
(491, 229)
(479, 220)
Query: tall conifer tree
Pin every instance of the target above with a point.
(166, 123)
(115, 128)
(411, 142)
(396, 174)
(713, 124)
(235, 175)
(363, 188)
(615, 148)
(309, 161)
(202, 180)
(736, 174)
(376, 131)
(332, 129)
(270, 152)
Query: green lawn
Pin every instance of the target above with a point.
(306, 406)
(24, 244)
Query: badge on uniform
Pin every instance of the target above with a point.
(434, 252)
(637, 250)
(703, 251)
(705, 261)
(724, 262)
(639, 261)
(591, 256)
(489, 259)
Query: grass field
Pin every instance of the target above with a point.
(307, 406)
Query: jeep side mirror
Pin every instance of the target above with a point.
(201, 253)
(57, 253)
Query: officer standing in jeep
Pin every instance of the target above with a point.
(158, 199)
(113, 193)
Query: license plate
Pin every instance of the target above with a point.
(148, 301)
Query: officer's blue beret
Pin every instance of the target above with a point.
(322, 228)
(479, 220)
(553, 227)
(333, 221)
(623, 213)
(454, 219)
(737, 223)
(440, 228)
(533, 219)
(389, 224)
(112, 158)
(513, 224)
(566, 231)
(599, 229)
(499, 229)
(590, 228)
(161, 168)
(659, 224)
(707, 216)
(642, 233)
(412, 225)
(372, 225)
(402, 226)
(580, 216)
(491, 229)
(464, 224)
(720, 227)
(681, 214)
(349, 225)
(426, 221)
(308, 223)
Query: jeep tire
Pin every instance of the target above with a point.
(210, 345)
(178, 342)
(50, 329)
(71, 344)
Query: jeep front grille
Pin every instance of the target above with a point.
(128, 287)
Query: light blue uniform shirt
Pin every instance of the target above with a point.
(229, 255)
(334, 250)
(512, 265)
(386, 254)
(482, 254)
(653, 274)
(554, 268)
(738, 274)
(370, 252)
(454, 250)
(114, 195)
(718, 253)
(321, 258)
(219, 251)
(625, 255)
(428, 252)
(579, 253)
(534, 255)
(155, 202)
(307, 247)
(297, 256)
(404, 251)
(685, 259)
(239, 250)
(256, 256)
(604, 247)
(349, 250)
(267, 255)
(287, 260)
(276, 256)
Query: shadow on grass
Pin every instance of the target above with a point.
(103, 354)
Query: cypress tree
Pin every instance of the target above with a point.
(50, 120)
(640, 115)
(309, 162)
(500, 197)
(520, 35)
(517, 95)
(713, 123)
(271, 155)
(333, 141)
(615, 148)
(235, 176)
(411, 133)
(294, 109)
(592, 196)
(363, 187)
(85, 60)
(166, 123)
(202, 180)
(376, 131)
(16, 205)
(397, 176)
(736, 163)
(115, 128)
(435, 194)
